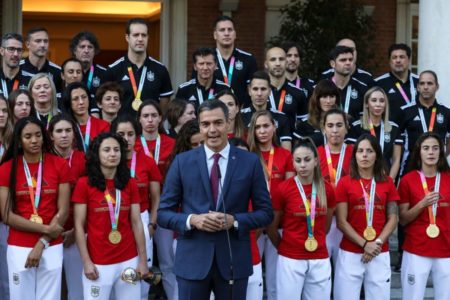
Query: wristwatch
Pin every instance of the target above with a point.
(154, 225)
(379, 241)
(44, 242)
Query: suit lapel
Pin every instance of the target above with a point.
(201, 161)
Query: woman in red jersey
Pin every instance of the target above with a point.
(335, 156)
(366, 213)
(148, 179)
(76, 104)
(425, 213)
(62, 130)
(34, 201)
(277, 164)
(306, 204)
(107, 210)
(155, 143)
(236, 126)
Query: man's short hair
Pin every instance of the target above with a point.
(433, 73)
(288, 45)
(211, 105)
(260, 75)
(400, 46)
(34, 30)
(11, 36)
(338, 50)
(83, 36)
(70, 59)
(201, 52)
(135, 21)
(222, 18)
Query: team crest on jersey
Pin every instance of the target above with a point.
(239, 65)
(440, 118)
(411, 279)
(150, 76)
(95, 291)
(354, 94)
(387, 137)
(288, 99)
(16, 279)
(96, 82)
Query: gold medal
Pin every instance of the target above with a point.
(36, 219)
(370, 234)
(114, 237)
(433, 231)
(311, 244)
(136, 104)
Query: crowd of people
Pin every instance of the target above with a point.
(244, 171)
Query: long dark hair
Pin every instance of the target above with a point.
(158, 109)
(183, 140)
(415, 162)
(12, 99)
(379, 170)
(51, 126)
(125, 119)
(95, 176)
(239, 126)
(14, 150)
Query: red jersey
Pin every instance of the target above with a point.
(146, 172)
(256, 257)
(349, 190)
(76, 163)
(55, 172)
(98, 221)
(334, 161)
(167, 144)
(416, 239)
(97, 126)
(287, 199)
(282, 163)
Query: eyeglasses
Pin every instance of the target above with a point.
(11, 50)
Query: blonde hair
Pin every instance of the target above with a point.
(53, 102)
(385, 115)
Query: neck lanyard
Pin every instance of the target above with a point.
(87, 135)
(309, 208)
(424, 122)
(157, 148)
(347, 98)
(5, 87)
(297, 82)
(372, 132)
(133, 165)
(411, 89)
(200, 95)
(91, 75)
(369, 201)
(432, 210)
(114, 210)
(31, 182)
(281, 103)
(335, 175)
(227, 78)
(70, 158)
(2, 150)
(269, 167)
(137, 91)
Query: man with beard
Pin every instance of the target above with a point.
(11, 52)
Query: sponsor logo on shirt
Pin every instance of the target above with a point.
(125, 77)
(192, 98)
(391, 91)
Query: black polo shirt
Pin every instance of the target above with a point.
(281, 122)
(359, 74)
(353, 93)
(97, 80)
(390, 138)
(156, 83)
(244, 67)
(195, 93)
(28, 71)
(305, 129)
(7, 84)
(388, 83)
(305, 84)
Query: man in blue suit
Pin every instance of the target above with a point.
(205, 200)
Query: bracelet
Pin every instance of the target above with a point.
(44, 242)
(154, 225)
(365, 243)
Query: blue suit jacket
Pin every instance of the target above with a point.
(187, 190)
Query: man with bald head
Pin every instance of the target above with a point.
(357, 73)
(285, 97)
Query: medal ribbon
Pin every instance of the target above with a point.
(133, 165)
(91, 75)
(270, 167)
(372, 132)
(402, 92)
(369, 202)
(5, 87)
(157, 147)
(423, 121)
(200, 95)
(347, 99)
(227, 78)
(2, 150)
(114, 211)
(281, 103)
(432, 210)
(309, 208)
(137, 91)
(70, 158)
(87, 135)
(34, 197)
(335, 175)
(297, 82)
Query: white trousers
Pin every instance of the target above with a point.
(255, 284)
(166, 257)
(307, 279)
(4, 287)
(73, 269)
(351, 273)
(415, 271)
(109, 281)
(145, 287)
(43, 282)
(334, 238)
(270, 255)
